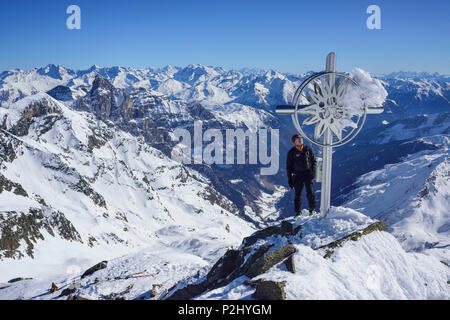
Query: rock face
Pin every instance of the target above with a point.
(100, 99)
(270, 290)
(269, 260)
(8, 185)
(17, 226)
(289, 263)
(35, 109)
(61, 93)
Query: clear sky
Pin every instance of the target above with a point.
(289, 36)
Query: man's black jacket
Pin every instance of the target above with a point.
(302, 163)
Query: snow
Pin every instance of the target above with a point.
(242, 116)
(368, 93)
(411, 196)
(373, 267)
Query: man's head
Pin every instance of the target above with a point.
(297, 139)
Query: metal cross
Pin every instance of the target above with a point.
(327, 110)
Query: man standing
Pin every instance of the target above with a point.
(301, 169)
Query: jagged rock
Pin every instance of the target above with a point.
(84, 187)
(297, 229)
(289, 263)
(225, 265)
(253, 261)
(18, 226)
(7, 152)
(61, 93)
(269, 260)
(231, 266)
(57, 220)
(8, 185)
(100, 98)
(214, 197)
(127, 108)
(34, 109)
(189, 291)
(53, 288)
(354, 236)
(249, 261)
(284, 230)
(95, 268)
(286, 227)
(270, 290)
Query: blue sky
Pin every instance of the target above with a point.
(289, 36)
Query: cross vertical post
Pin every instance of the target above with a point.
(325, 193)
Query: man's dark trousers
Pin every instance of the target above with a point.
(300, 180)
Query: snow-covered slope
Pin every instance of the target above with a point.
(371, 266)
(344, 256)
(73, 190)
(411, 196)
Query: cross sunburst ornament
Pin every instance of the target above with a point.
(327, 110)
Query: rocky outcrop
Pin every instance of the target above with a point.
(99, 266)
(289, 263)
(354, 236)
(270, 259)
(284, 229)
(35, 109)
(251, 260)
(257, 254)
(8, 185)
(270, 290)
(84, 187)
(25, 229)
(102, 98)
(61, 93)
(215, 197)
(8, 146)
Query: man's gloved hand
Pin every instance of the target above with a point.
(291, 180)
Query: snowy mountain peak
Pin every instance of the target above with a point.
(19, 116)
(52, 71)
(414, 75)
